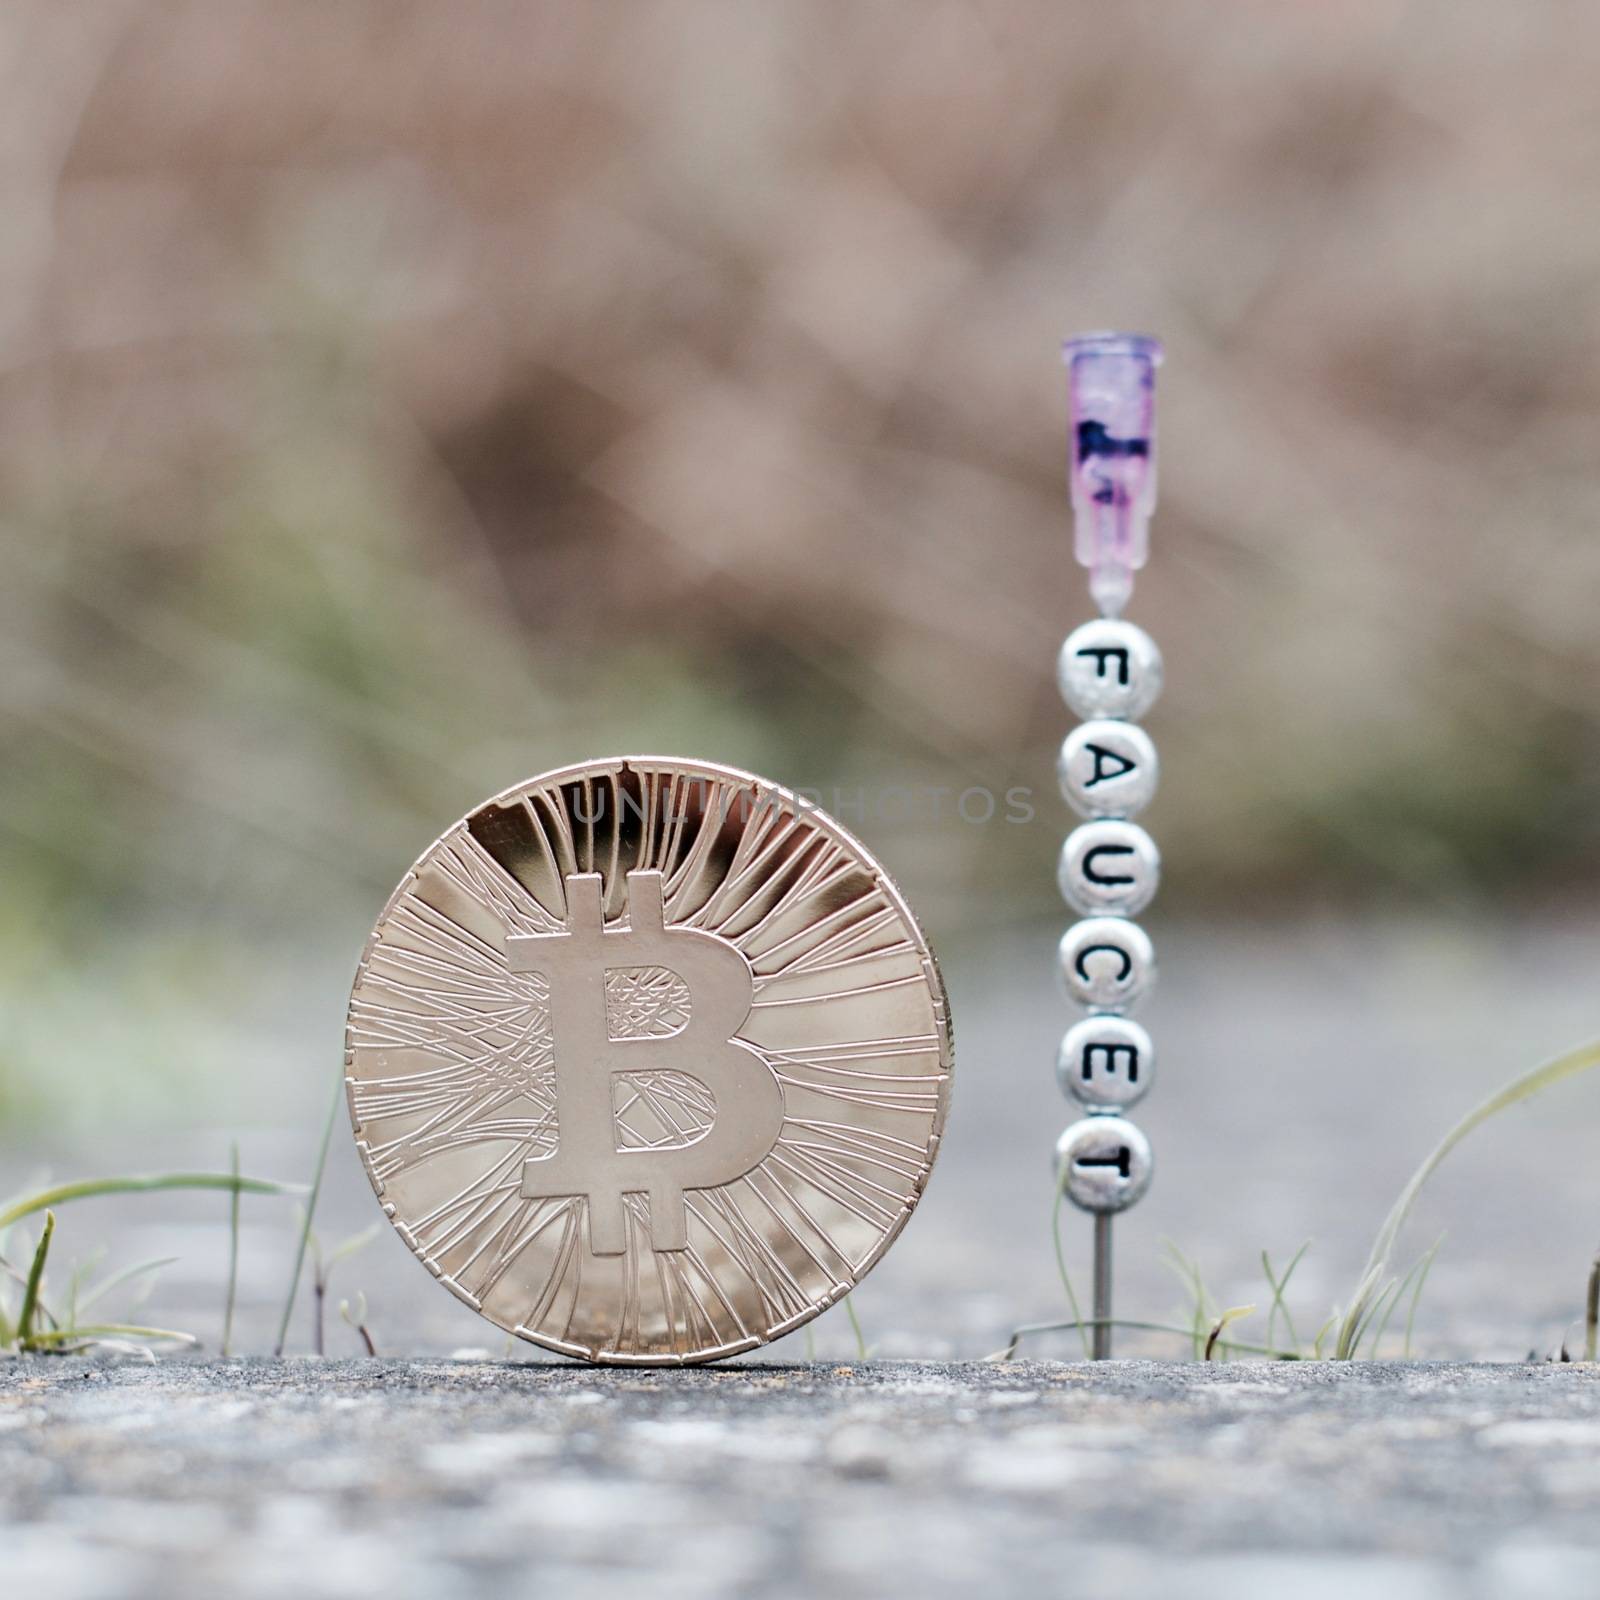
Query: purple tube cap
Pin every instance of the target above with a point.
(1112, 383)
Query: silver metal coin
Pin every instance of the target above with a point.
(1109, 868)
(1108, 769)
(1107, 963)
(1103, 1164)
(648, 1061)
(1109, 668)
(1106, 1063)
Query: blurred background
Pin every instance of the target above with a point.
(400, 399)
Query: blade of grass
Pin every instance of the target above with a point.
(98, 1331)
(1322, 1333)
(1204, 1308)
(311, 1211)
(1232, 1314)
(233, 1255)
(1279, 1286)
(347, 1248)
(1018, 1334)
(1399, 1295)
(855, 1322)
(1277, 1296)
(98, 1291)
(89, 1188)
(1174, 1260)
(1061, 1267)
(1380, 1309)
(8, 1329)
(80, 1271)
(1200, 1312)
(1372, 1278)
(30, 1293)
(1416, 1295)
(357, 1319)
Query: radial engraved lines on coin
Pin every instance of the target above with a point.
(648, 1061)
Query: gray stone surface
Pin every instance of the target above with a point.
(349, 1478)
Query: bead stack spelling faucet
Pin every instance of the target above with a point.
(1110, 674)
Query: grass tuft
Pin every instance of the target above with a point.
(322, 1275)
(1379, 1292)
(37, 1327)
(1376, 1279)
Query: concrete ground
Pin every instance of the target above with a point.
(1134, 1480)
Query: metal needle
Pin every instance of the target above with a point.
(1101, 1340)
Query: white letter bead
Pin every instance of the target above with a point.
(1103, 1164)
(1106, 1063)
(1108, 769)
(1109, 668)
(1109, 869)
(1107, 963)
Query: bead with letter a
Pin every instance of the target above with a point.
(1108, 769)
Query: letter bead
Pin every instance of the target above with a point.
(1109, 869)
(1109, 668)
(1103, 1164)
(1106, 1063)
(1108, 769)
(1107, 963)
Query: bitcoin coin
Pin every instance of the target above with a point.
(648, 1061)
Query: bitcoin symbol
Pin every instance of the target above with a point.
(749, 1102)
